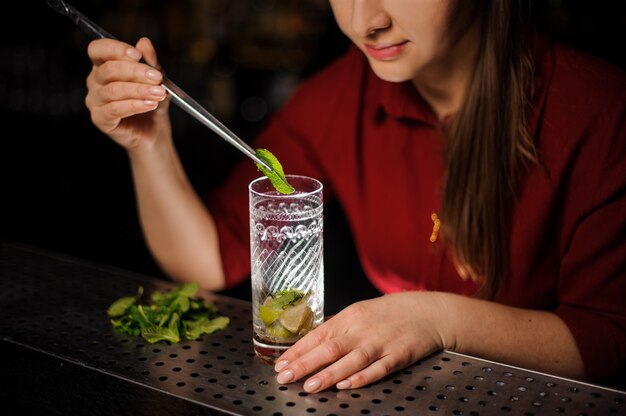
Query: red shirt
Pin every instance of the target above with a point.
(377, 148)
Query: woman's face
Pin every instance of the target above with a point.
(399, 37)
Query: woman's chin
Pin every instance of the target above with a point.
(391, 71)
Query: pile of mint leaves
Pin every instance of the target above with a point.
(173, 315)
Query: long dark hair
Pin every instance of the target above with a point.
(488, 143)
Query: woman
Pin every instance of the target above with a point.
(442, 115)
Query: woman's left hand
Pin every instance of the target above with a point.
(367, 341)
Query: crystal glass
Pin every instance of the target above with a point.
(286, 247)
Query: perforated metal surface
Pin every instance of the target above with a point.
(56, 305)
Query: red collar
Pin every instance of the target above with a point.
(401, 100)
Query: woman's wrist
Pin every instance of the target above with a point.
(444, 314)
(155, 156)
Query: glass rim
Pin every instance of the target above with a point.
(319, 187)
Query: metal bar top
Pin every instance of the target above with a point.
(54, 310)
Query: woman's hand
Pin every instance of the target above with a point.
(123, 92)
(373, 338)
(366, 341)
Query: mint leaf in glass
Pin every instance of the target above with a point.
(277, 175)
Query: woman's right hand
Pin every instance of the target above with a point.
(124, 95)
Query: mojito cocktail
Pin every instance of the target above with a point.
(286, 246)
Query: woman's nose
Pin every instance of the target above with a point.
(368, 17)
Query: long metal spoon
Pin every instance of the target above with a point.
(180, 98)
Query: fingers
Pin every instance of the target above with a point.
(343, 355)
(319, 356)
(119, 70)
(123, 81)
(144, 45)
(374, 372)
(104, 50)
(119, 91)
(112, 102)
(350, 368)
(118, 61)
(120, 86)
(352, 362)
(109, 116)
(308, 343)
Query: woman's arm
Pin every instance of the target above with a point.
(373, 338)
(533, 339)
(178, 228)
(128, 104)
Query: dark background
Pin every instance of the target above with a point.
(67, 187)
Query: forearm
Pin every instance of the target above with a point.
(178, 228)
(537, 340)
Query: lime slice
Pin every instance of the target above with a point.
(278, 332)
(268, 314)
(297, 318)
(276, 175)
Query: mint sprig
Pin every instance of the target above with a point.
(277, 175)
(171, 316)
(287, 297)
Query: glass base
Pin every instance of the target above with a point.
(269, 351)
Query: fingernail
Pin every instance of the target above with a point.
(154, 75)
(285, 377)
(344, 384)
(280, 365)
(312, 385)
(156, 90)
(133, 53)
(149, 103)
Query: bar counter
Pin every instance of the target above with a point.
(59, 355)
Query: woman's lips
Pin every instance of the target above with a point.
(385, 52)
